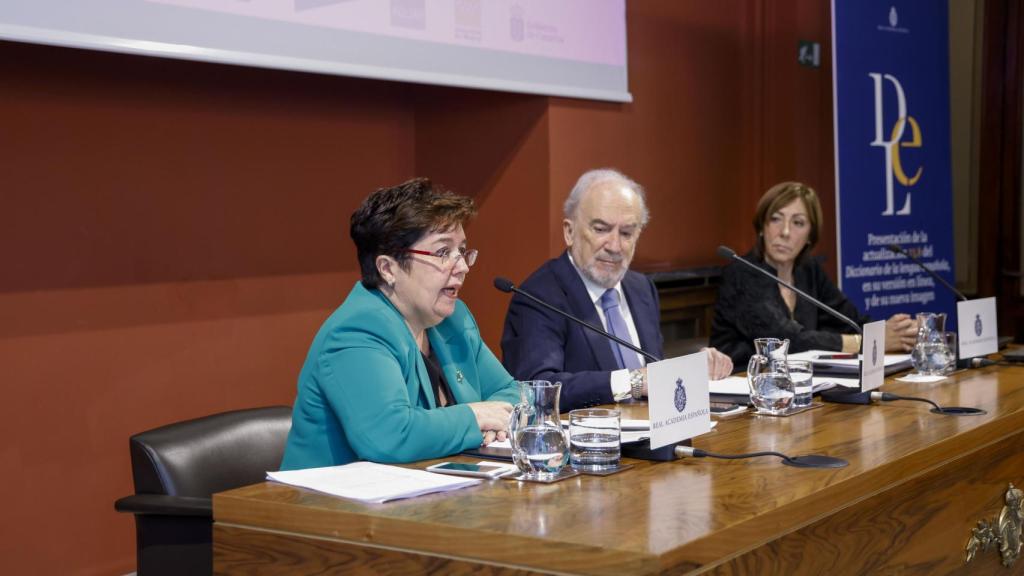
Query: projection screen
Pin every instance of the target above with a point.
(574, 48)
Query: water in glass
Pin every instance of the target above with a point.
(801, 372)
(594, 439)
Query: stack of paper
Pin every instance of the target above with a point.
(826, 362)
(737, 386)
(370, 482)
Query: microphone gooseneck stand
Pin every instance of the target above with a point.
(643, 450)
(897, 249)
(840, 394)
(978, 362)
(638, 450)
(506, 285)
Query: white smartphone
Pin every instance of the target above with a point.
(465, 469)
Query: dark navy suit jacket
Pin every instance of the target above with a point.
(540, 345)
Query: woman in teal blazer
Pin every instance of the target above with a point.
(399, 372)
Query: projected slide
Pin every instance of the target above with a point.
(582, 30)
(574, 48)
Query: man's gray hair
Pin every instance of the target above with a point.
(592, 177)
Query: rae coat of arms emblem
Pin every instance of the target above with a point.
(680, 399)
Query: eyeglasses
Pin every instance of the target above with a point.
(447, 259)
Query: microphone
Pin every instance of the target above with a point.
(506, 285)
(843, 395)
(897, 249)
(840, 394)
(642, 450)
(977, 362)
(730, 254)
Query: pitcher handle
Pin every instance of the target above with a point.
(518, 454)
(754, 359)
(753, 364)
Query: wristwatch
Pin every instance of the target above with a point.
(636, 384)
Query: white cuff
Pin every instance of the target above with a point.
(620, 385)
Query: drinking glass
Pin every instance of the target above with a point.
(950, 338)
(594, 439)
(801, 372)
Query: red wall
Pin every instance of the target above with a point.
(172, 233)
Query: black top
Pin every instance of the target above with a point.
(437, 380)
(750, 306)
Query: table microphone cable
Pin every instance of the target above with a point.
(806, 461)
(949, 410)
(818, 460)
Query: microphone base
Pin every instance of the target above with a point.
(643, 451)
(840, 395)
(976, 362)
(815, 461)
(958, 411)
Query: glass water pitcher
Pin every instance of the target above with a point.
(771, 389)
(539, 446)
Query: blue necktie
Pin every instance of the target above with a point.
(617, 326)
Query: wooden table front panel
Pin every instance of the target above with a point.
(917, 482)
(257, 553)
(918, 527)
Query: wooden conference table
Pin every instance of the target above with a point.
(916, 485)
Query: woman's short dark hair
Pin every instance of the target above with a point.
(392, 220)
(775, 199)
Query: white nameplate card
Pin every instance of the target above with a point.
(872, 358)
(677, 398)
(977, 332)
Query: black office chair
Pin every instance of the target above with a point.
(178, 467)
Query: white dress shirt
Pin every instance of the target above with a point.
(619, 378)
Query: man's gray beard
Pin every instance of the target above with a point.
(589, 273)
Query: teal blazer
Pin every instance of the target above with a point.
(364, 392)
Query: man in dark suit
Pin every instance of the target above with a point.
(604, 216)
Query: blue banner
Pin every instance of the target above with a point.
(893, 175)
